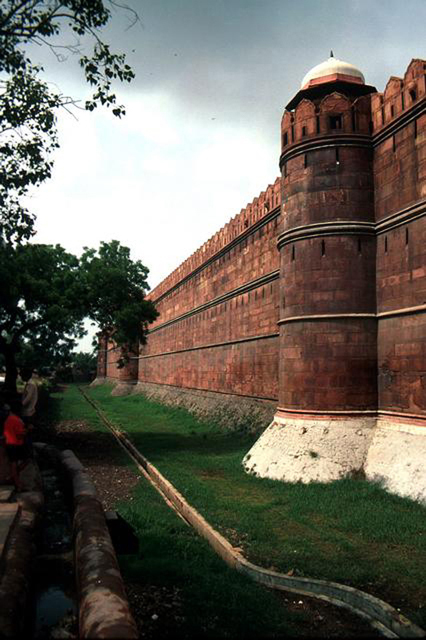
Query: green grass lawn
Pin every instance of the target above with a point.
(217, 602)
(350, 531)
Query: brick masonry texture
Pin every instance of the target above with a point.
(334, 319)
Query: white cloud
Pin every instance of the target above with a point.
(159, 181)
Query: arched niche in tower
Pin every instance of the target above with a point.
(286, 129)
(361, 109)
(335, 114)
(305, 119)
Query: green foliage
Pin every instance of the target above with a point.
(27, 140)
(84, 366)
(41, 21)
(46, 357)
(42, 304)
(46, 293)
(27, 103)
(116, 287)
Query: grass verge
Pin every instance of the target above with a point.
(350, 531)
(216, 601)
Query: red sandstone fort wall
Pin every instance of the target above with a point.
(400, 199)
(220, 309)
(217, 329)
(114, 371)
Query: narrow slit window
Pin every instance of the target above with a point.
(335, 122)
(323, 247)
(413, 95)
(285, 139)
(383, 115)
(305, 160)
(415, 128)
(392, 110)
(292, 132)
(406, 236)
(303, 132)
(318, 124)
(386, 244)
(337, 156)
(293, 252)
(393, 144)
(402, 101)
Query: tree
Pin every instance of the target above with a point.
(46, 293)
(27, 139)
(116, 289)
(27, 104)
(41, 21)
(42, 302)
(84, 367)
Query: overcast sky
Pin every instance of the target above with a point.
(201, 136)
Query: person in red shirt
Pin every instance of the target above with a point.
(14, 433)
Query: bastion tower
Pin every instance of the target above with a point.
(328, 333)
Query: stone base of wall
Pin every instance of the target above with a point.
(397, 458)
(321, 450)
(310, 450)
(122, 388)
(229, 411)
(97, 381)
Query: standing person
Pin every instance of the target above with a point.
(29, 397)
(14, 433)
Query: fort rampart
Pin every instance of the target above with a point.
(312, 300)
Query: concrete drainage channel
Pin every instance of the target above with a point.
(386, 619)
(60, 561)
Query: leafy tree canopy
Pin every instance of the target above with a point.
(116, 288)
(27, 139)
(47, 292)
(28, 105)
(41, 301)
(84, 366)
(40, 21)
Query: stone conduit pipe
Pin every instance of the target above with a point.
(103, 608)
(102, 603)
(16, 565)
(382, 616)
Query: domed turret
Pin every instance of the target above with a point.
(328, 76)
(332, 70)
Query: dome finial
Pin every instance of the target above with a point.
(331, 54)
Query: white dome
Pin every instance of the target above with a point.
(333, 67)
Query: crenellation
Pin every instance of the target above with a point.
(253, 212)
(399, 96)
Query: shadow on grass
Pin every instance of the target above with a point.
(159, 445)
(83, 433)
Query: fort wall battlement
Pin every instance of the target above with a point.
(252, 213)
